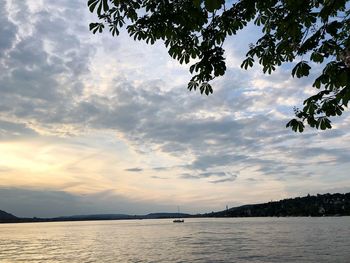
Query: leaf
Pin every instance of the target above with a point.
(197, 3)
(212, 5)
(192, 85)
(296, 125)
(206, 88)
(343, 78)
(323, 123)
(92, 4)
(105, 5)
(114, 29)
(301, 69)
(346, 99)
(317, 83)
(248, 62)
(316, 57)
(333, 27)
(94, 27)
(310, 108)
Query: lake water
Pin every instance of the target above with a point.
(197, 240)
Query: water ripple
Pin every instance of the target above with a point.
(197, 240)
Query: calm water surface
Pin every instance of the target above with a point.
(197, 240)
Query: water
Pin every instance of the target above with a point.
(196, 240)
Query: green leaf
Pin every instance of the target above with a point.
(192, 85)
(310, 108)
(92, 4)
(345, 96)
(248, 62)
(212, 5)
(105, 5)
(323, 123)
(343, 78)
(197, 3)
(206, 88)
(316, 57)
(296, 125)
(301, 69)
(94, 27)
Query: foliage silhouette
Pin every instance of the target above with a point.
(311, 31)
(319, 205)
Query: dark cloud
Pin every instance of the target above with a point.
(251, 179)
(8, 30)
(43, 72)
(10, 130)
(209, 174)
(204, 162)
(48, 203)
(135, 169)
(223, 176)
(336, 155)
(230, 179)
(189, 176)
(159, 177)
(158, 169)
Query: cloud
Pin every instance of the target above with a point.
(8, 31)
(159, 177)
(136, 169)
(12, 130)
(161, 168)
(48, 203)
(230, 179)
(223, 177)
(209, 174)
(4, 169)
(44, 65)
(189, 176)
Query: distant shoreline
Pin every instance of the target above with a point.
(133, 219)
(326, 205)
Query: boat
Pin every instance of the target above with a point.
(178, 220)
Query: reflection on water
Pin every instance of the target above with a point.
(197, 240)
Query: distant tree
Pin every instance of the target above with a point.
(306, 31)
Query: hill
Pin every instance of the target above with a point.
(118, 217)
(320, 205)
(6, 217)
(93, 217)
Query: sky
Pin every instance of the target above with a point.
(94, 124)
